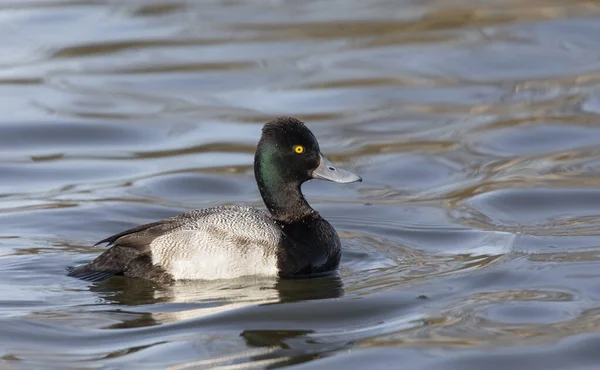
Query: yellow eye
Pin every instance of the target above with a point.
(299, 149)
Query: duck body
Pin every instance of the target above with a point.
(291, 240)
(203, 245)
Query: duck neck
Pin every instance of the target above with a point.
(279, 190)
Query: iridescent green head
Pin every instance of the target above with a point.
(287, 155)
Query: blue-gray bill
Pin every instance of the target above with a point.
(328, 171)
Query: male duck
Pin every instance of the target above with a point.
(233, 241)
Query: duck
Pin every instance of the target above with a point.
(288, 240)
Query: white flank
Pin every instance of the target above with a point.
(200, 255)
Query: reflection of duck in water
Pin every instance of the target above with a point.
(186, 300)
(234, 241)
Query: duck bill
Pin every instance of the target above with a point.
(328, 171)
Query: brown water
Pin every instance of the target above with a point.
(473, 242)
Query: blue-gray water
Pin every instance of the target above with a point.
(473, 242)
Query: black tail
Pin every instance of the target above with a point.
(87, 273)
(112, 262)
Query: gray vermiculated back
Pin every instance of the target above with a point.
(241, 222)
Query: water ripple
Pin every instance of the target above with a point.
(472, 241)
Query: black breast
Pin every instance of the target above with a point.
(310, 246)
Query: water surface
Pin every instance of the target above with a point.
(473, 241)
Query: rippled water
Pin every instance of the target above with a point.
(473, 241)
